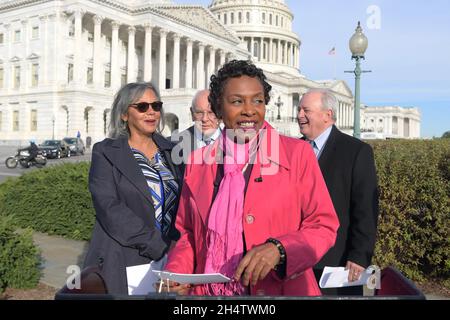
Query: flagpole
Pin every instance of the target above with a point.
(334, 56)
(335, 66)
(332, 52)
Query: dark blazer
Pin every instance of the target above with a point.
(348, 167)
(124, 232)
(185, 143)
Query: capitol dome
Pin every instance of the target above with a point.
(265, 26)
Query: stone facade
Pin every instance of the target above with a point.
(388, 122)
(61, 62)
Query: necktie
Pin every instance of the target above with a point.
(207, 142)
(314, 146)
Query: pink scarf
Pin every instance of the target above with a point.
(224, 235)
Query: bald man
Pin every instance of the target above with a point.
(205, 129)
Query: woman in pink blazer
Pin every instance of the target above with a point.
(254, 205)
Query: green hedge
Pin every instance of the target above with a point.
(413, 233)
(19, 258)
(53, 200)
(414, 224)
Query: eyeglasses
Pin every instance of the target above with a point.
(143, 106)
(209, 114)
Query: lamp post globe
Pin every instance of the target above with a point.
(358, 45)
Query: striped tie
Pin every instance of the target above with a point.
(314, 147)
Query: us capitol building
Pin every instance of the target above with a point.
(62, 61)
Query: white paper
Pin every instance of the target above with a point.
(141, 279)
(337, 277)
(191, 278)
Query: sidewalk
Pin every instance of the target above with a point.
(58, 253)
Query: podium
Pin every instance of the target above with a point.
(394, 286)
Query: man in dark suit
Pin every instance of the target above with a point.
(204, 131)
(348, 167)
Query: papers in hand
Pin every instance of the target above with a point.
(140, 279)
(337, 277)
(192, 278)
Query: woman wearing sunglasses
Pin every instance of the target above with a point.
(135, 188)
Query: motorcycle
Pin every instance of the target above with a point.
(21, 158)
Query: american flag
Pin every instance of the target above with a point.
(332, 52)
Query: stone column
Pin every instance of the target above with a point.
(56, 62)
(43, 30)
(344, 115)
(211, 63)
(338, 115)
(162, 59)
(352, 114)
(115, 69)
(6, 65)
(269, 56)
(78, 59)
(222, 57)
(385, 125)
(252, 46)
(148, 53)
(25, 65)
(389, 125)
(189, 63)
(98, 56)
(349, 123)
(201, 66)
(260, 53)
(288, 50)
(286, 53)
(176, 61)
(280, 52)
(294, 54)
(131, 76)
(25, 37)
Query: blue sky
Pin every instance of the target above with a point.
(409, 54)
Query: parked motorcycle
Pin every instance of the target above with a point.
(21, 158)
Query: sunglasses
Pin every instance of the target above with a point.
(143, 106)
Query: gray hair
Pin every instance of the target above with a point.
(128, 94)
(195, 98)
(329, 101)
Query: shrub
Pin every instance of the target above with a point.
(53, 200)
(414, 221)
(19, 258)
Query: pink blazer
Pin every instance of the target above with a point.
(293, 205)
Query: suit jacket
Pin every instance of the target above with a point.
(290, 203)
(348, 167)
(124, 232)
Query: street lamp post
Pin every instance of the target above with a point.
(358, 45)
(279, 103)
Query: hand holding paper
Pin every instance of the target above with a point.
(337, 277)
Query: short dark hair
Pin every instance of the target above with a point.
(234, 69)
